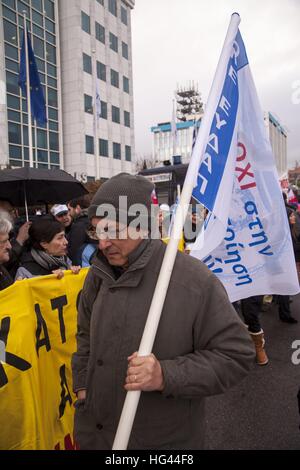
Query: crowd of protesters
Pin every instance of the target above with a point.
(47, 243)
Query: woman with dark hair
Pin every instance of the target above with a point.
(48, 253)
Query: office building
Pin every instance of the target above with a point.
(80, 47)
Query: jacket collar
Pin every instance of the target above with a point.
(132, 276)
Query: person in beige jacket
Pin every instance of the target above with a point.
(201, 347)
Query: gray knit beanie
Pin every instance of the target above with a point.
(137, 190)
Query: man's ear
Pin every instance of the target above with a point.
(44, 245)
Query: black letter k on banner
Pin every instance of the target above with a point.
(10, 359)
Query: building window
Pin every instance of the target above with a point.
(101, 71)
(54, 158)
(114, 78)
(89, 144)
(12, 83)
(49, 37)
(13, 116)
(103, 148)
(100, 32)
(14, 133)
(127, 153)
(117, 151)
(103, 110)
(37, 18)
(11, 52)
(53, 126)
(37, 4)
(52, 82)
(15, 152)
(124, 50)
(42, 140)
(53, 141)
(85, 22)
(52, 114)
(21, 7)
(11, 65)
(87, 63)
(124, 15)
(39, 32)
(125, 84)
(113, 42)
(112, 6)
(101, 2)
(10, 32)
(49, 9)
(88, 104)
(50, 26)
(52, 98)
(126, 118)
(13, 102)
(115, 114)
(42, 156)
(50, 53)
(38, 47)
(51, 70)
(9, 14)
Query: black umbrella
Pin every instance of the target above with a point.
(31, 186)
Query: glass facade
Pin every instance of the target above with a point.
(41, 26)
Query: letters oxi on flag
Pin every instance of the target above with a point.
(246, 238)
(38, 105)
(38, 321)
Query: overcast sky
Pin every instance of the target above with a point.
(176, 41)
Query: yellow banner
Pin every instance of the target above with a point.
(38, 319)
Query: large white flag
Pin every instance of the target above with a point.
(246, 238)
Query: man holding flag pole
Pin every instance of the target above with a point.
(201, 347)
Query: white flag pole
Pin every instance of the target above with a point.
(132, 398)
(28, 94)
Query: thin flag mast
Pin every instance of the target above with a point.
(28, 93)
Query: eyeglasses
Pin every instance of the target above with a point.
(112, 233)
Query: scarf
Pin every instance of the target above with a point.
(50, 262)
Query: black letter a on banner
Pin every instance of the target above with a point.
(41, 324)
(65, 392)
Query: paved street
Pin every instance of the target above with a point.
(262, 412)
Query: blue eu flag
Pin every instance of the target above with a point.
(38, 105)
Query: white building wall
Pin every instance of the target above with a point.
(163, 145)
